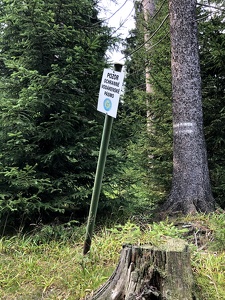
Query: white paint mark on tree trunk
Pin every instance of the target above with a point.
(184, 127)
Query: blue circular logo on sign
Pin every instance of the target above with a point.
(107, 104)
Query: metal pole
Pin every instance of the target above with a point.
(99, 175)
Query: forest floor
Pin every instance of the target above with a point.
(49, 263)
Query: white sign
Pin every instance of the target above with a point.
(109, 93)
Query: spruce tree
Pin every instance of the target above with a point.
(51, 62)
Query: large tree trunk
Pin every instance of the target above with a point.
(146, 272)
(191, 190)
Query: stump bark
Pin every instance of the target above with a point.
(145, 273)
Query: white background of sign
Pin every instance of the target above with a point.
(109, 93)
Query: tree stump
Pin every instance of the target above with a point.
(146, 272)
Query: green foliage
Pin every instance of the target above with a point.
(149, 150)
(70, 231)
(209, 274)
(128, 138)
(218, 226)
(18, 182)
(154, 234)
(212, 54)
(51, 61)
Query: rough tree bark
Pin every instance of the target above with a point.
(191, 190)
(149, 10)
(146, 272)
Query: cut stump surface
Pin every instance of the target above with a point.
(146, 272)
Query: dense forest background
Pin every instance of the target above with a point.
(51, 60)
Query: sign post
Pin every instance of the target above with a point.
(109, 93)
(107, 103)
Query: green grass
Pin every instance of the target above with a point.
(48, 271)
(42, 267)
